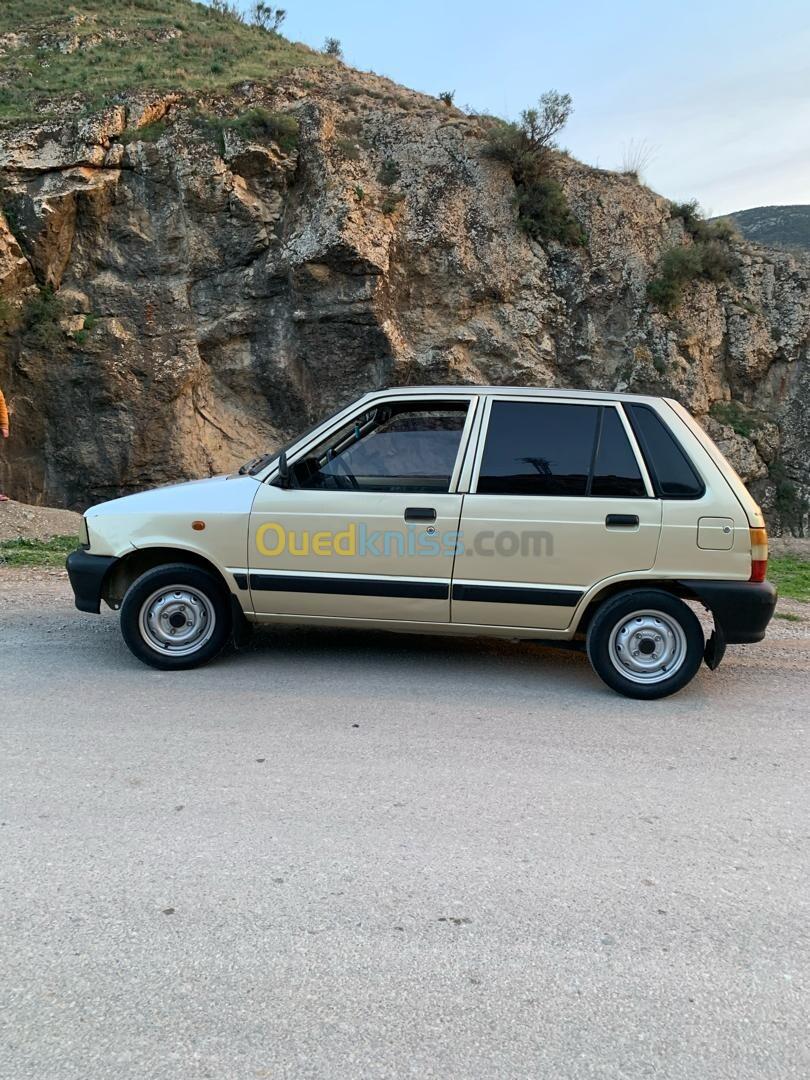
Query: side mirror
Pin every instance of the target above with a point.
(282, 479)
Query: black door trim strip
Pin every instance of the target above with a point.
(510, 594)
(346, 586)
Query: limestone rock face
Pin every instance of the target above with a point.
(207, 293)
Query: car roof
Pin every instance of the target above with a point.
(457, 390)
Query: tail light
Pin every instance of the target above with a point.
(759, 554)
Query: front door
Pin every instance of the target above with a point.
(558, 503)
(366, 527)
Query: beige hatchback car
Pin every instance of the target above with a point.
(587, 518)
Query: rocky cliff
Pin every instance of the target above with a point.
(186, 281)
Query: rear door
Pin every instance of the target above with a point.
(559, 500)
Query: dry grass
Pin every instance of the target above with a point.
(98, 49)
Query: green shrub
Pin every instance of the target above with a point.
(259, 123)
(389, 172)
(507, 142)
(740, 418)
(544, 214)
(709, 256)
(41, 315)
(543, 211)
(391, 201)
(542, 125)
(149, 133)
(229, 10)
(447, 96)
(698, 227)
(266, 17)
(718, 261)
(689, 213)
(333, 48)
(359, 193)
(282, 128)
(665, 293)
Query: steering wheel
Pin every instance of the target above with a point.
(341, 466)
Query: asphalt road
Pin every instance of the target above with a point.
(362, 856)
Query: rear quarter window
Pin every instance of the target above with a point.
(672, 473)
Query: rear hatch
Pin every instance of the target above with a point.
(749, 505)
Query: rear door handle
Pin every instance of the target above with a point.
(420, 513)
(621, 521)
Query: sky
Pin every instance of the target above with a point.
(717, 93)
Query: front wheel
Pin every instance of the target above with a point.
(645, 643)
(175, 617)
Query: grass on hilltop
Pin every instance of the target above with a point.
(209, 52)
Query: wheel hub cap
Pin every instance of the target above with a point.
(177, 621)
(647, 646)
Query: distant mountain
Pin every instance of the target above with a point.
(775, 226)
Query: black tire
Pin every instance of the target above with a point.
(676, 635)
(192, 594)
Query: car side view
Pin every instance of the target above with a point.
(590, 518)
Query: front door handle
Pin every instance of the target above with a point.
(622, 521)
(420, 513)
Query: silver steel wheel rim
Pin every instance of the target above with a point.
(647, 646)
(177, 621)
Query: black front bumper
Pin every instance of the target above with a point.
(87, 574)
(741, 609)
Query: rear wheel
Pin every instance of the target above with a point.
(645, 643)
(175, 617)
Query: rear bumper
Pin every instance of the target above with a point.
(87, 574)
(741, 609)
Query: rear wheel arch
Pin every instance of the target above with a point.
(675, 588)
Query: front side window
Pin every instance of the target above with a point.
(551, 448)
(397, 446)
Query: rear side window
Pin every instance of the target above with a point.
(616, 473)
(536, 448)
(671, 471)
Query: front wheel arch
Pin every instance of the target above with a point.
(137, 562)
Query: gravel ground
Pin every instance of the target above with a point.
(351, 855)
(18, 520)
